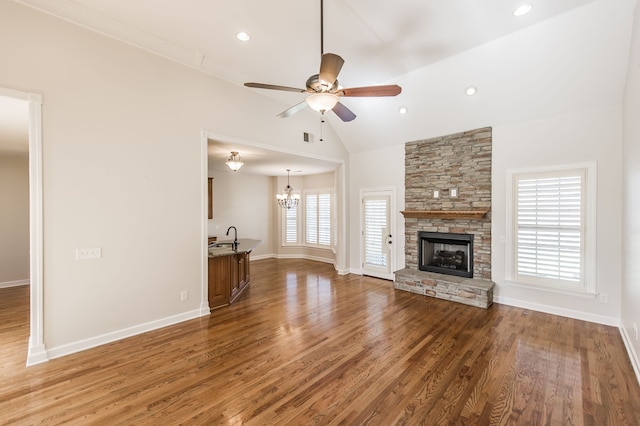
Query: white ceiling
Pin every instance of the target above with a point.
(563, 56)
(259, 160)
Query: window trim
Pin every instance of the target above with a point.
(588, 285)
(283, 218)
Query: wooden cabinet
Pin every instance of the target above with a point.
(241, 275)
(228, 278)
(219, 281)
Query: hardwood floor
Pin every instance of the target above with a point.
(307, 346)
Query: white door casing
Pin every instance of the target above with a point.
(377, 232)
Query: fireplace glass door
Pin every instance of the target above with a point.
(446, 253)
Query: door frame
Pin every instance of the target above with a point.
(391, 192)
(340, 197)
(36, 350)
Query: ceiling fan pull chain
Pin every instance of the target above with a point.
(321, 123)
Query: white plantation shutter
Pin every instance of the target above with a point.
(375, 230)
(311, 203)
(318, 227)
(549, 234)
(291, 226)
(324, 219)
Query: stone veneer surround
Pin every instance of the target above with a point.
(462, 161)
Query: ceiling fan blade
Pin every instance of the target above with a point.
(274, 87)
(389, 90)
(330, 67)
(292, 110)
(343, 112)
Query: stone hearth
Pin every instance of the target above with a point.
(461, 161)
(458, 289)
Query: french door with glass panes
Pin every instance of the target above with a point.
(377, 235)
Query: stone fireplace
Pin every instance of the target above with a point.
(448, 197)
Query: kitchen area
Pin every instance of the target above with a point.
(229, 268)
(244, 221)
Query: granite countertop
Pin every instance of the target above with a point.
(245, 245)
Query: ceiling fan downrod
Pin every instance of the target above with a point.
(321, 28)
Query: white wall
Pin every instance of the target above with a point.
(14, 219)
(382, 168)
(246, 202)
(631, 201)
(568, 139)
(121, 170)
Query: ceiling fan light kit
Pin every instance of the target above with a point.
(322, 102)
(323, 88)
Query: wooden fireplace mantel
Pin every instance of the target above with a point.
(444, 214)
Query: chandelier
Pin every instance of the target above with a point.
(235, 162)
(288, 199)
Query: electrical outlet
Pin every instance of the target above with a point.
(453, 193)
(88, 253)
(436, 193)
(184, 295)
(604, 298)
(635, 330)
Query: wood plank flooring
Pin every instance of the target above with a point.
(305, 346)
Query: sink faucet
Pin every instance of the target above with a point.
(235, 236)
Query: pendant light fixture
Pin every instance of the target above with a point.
(235, 162)
(288, 200)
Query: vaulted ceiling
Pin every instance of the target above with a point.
(561, 57)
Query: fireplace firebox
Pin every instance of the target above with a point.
(446, 253)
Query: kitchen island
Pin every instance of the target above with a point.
(229, 272)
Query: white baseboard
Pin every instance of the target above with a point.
(345, 271)
(633, 356)
(92, 342)
(36, 355)
(262, 256)
(569, 313)
(17, 283)
(304, 256)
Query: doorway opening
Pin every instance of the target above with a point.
(36, 352)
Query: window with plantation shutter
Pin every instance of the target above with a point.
(549, 228)
(318, 228)
(324, 219)
(290, 217)
(375, 229)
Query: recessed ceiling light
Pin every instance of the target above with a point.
(242, 36)
(522, 10)
(403, 110)
(471, 90)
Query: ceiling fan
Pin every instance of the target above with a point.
(323, 88)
